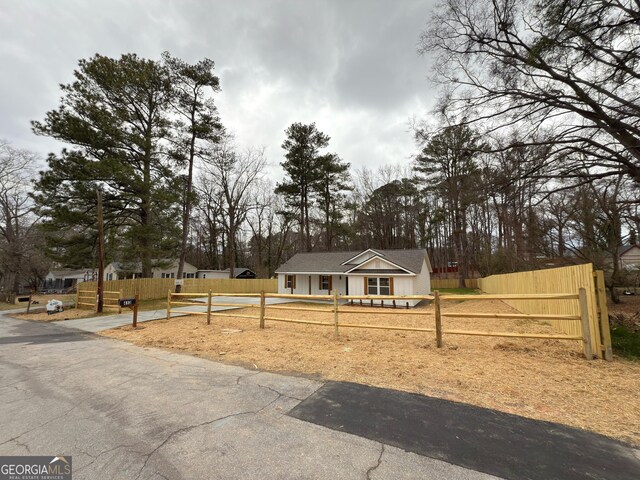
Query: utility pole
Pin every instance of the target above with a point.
(100, 255)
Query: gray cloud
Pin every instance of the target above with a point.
(350, 66)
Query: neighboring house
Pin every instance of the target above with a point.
(629, 257)
(368, 272)
(120, 271)
(60, 280)
(239, 272)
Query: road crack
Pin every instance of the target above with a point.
(374, 467)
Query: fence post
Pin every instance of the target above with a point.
(209, 309)
(584, 320)
(120, 298)
(77, 295)
(262, 302)
(335, 312)
(436, 294)
(169, 305)
(605, 329)
(135, 311)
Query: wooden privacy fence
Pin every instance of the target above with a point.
(155, 288)
(453, 283)
(554, 281)
(580, 299)
(89, 298)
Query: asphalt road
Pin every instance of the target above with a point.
(124, 412)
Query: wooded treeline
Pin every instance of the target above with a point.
(531, 158)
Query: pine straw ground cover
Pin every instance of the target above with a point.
(541, 379)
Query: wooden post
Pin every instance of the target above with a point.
(169, 305)
(209, 309)
(135, 311)
(120, 295)
(605, 329)
(100, 299)
(29, 304)
(262, 303)
(77, 295)
(436, 294)
(584, 320)
(335, 312)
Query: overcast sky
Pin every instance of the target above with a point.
(350, 66)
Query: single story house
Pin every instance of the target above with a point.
(61, 280)
(629, 257)
(120, 271)
(367, 272)
(238, 272)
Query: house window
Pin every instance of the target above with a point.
(289, 281)
(325, 282)
(168, 275)
(109, 276)
(189, 275)
(378, 286)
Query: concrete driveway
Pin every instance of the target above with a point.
(124, 412)
(105, 322)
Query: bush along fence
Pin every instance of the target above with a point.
(580, 299)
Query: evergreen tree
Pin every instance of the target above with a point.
(115, 117)
(302, 166)
(448, 165)
(197, 127)
(329, 190)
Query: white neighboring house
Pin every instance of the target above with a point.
(629, 257)
(60, 280)
(238, 272)
(367, 272)
(119, 271)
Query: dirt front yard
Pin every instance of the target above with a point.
(541, 379)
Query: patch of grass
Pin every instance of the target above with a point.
(458, 291)
(157, 304)
(625, 342)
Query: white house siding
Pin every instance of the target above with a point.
(173, 269)
(338, 282)
(631, 258)
(423, 281)
(363, 257)
(212, 274)
(376, 263)
(402, 285)
(110, 272)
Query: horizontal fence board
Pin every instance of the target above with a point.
(437, 283)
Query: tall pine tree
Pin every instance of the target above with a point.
(115, 117)
(302, 146)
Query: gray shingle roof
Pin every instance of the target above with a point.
(331, 262)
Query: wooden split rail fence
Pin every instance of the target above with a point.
(582, 320)
(89, 298)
